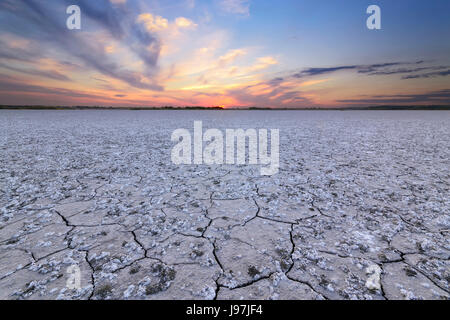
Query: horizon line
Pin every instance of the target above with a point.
(219, 108)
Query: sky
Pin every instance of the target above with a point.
(230, 53)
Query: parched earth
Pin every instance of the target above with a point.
(360, 208)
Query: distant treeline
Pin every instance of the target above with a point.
(106, 108)
(432, 107)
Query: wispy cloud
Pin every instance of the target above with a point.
(429, 74)
(432, 97)
(319, 71)
(9, 85)
(49, 29)
(380, 69)
(241, 7)
(51, 74)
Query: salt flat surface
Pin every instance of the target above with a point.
(360, 208)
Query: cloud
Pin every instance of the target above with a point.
(377, 66)
(47, 28)
(230, 57)
(313, 82)
(107, 13)
(18, 49)
(274, 93)
(51, 74)
(118, 1)
(432, 97)
(10, 85)
(371, 68)
(394, 71)
(16, 91)
(379, 69)
(262, 96)
(260, 64)
(150, 29)
(157, 23)
(184, 23)
(429, 75)
(153, 23)
(320, 71)
(240, 7)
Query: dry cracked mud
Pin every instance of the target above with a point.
(360, 208)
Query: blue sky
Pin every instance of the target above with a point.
(224, 52)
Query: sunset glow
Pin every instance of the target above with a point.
(224, 53)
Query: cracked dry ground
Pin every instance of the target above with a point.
(97, 189)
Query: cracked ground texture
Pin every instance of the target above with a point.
(356, 191)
